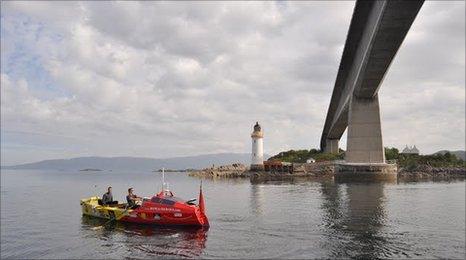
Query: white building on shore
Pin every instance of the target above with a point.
(410, 150)
(257, 153)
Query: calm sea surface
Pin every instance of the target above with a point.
(41, 218)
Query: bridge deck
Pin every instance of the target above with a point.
(375, 34)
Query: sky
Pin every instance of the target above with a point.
(164, 79)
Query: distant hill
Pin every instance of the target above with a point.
(137, 163)
(459, 154)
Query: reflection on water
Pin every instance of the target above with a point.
(256, 199)
(298, 219)
(355, 213)
(364, 219)
(147, 240)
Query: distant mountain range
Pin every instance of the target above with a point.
(459, 154)
(138, 163)
(149, 164)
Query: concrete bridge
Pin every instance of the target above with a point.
(375, 34)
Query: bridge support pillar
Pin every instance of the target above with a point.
(364, 143)
(365, 155)
(331, 146)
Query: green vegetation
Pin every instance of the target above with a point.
(391, 154)
(300, 156)
(412, 161)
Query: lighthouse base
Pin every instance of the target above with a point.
(256, 167)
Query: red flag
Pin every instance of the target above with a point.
(201, 200)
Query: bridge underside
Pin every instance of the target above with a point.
(376, 32)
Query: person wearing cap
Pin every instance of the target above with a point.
(131, 198)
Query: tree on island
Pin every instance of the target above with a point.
(301, 156)
(409, 161)
(412, 161)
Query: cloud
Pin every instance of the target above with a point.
(162, 79)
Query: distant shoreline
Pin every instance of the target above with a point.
(90, 170)
(174, 170)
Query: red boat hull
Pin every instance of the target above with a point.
(154, 213)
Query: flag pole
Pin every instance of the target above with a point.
(163, 179)
(201, 200)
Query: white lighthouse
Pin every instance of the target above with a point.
(257, 153)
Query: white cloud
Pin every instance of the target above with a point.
(161, 79)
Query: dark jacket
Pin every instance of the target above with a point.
(107, 198)
(131, 199)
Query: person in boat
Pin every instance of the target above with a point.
(107, 198)
(132, 199)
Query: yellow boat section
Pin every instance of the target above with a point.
(91, 207)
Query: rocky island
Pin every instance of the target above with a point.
(238, 170)
(292, 164)
(323, 170)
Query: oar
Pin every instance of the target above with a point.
(110, 220)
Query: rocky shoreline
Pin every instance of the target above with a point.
(324, 170)
(236, 170)
(435, 173)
